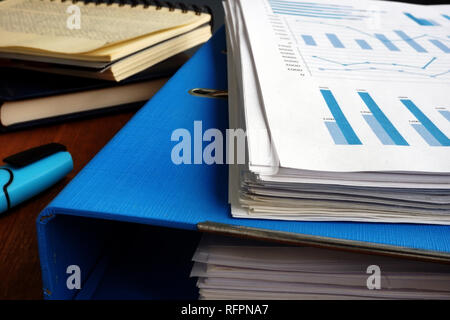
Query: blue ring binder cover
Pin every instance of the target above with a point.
(128, 220)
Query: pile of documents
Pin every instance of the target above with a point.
(237, 269)
(346, 110)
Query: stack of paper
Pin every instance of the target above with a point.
(346, 110)
(238, 269)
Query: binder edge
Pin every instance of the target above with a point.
(298, 239)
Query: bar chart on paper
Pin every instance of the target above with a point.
(339, 127)
(425, 127)
(421, 21)
(333, 40)
(391, 44)
(342, 132)
(380, 124)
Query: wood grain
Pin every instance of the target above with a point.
(20, 276)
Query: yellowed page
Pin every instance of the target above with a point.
(115, 51)
(40, 25)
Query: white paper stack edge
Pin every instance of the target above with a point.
(230, 268)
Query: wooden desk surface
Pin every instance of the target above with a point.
(20, 275)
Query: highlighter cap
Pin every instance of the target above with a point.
(28, 173)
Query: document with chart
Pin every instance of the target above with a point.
(354, 80)
(346, 109)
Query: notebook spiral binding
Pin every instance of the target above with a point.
(154, 3)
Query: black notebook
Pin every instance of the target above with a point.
(29, 98)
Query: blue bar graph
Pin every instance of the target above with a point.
(309, 40)
(378, 129)
(363, 44)
(383, 121)
(420, 21)
(334, 40)
(426, 123)
(426, 135)
(410, 41)
(388, 43)
(335, 132)
(340, 118)
(440, 45)
(445, 113)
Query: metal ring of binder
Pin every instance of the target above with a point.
(209, 93)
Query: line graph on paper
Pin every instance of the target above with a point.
(345, 51)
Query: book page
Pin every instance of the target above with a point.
(42, 24)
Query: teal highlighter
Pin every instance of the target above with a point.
(30, 172)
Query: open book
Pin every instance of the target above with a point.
(110, 41)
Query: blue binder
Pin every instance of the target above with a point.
(129, 220)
